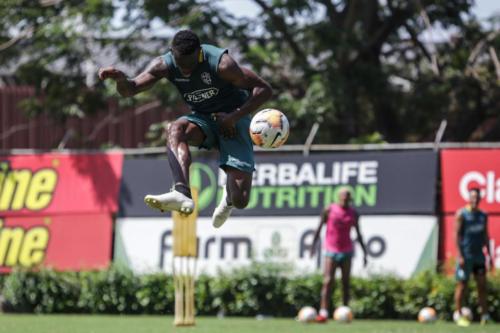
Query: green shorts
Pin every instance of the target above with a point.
(339, 257)
(471, 265)
(236, 152)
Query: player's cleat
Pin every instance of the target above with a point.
(222, 211)
(172, 200)
(321, 319)
(485, 319)
(463, 321)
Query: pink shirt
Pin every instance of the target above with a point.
(338, 229)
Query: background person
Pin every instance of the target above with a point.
(339, 248)
(472, 239)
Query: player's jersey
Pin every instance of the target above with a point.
(472, 232)
(204, 91)
(338, 229)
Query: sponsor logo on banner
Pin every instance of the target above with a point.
(487, 182)
(24, 188)
(72, 242)
(315, 185)
(145, 244)
(22, 247)
(59, 183)
(473, 168)
(291, 184)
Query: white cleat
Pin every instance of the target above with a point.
(222, 211)
(172, 200)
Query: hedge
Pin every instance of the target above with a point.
(259, 289)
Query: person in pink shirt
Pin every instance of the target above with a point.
(339, 248)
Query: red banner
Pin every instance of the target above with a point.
(464, 169)
(59, 184)
(449, 240)
(76, 242)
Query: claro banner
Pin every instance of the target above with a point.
(61, 242)
(145, 244)
(463, 169)
(59, 184)
(291, 184)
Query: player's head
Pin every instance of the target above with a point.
(186, 51)
(474, 197)
(344, 196)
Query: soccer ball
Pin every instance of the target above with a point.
(343, 314)
(269, 128)
(307, 314)
(427, 315)
(466, 312)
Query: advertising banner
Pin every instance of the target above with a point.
(145, 244)
(450, 244)
(291, 184)
(76, 242)
(463, 169)
(59, 184)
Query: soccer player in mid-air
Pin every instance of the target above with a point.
(339, 248)
(472, 238)
(221, 95)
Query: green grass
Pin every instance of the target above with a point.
(152, 324)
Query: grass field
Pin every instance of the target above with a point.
(153, 324)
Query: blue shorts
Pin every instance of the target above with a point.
(235, 152)
(339, 257)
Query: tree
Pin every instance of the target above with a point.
(360, 68)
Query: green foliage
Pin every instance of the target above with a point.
(259, 289)
(357, 69)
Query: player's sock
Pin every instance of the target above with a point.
(485, 318)
(222, 211)
(323, 313)
(184, 189)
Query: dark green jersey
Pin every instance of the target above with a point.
(204, 91)
(473, 231)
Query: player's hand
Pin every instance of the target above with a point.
(111, 73)
(461, 262)
(226, 123)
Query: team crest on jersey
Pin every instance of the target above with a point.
(205, 77)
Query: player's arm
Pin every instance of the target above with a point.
(323, 218)
(458, 237)
(360, 240)
(243, 78)
(487, 243)
(155, 71)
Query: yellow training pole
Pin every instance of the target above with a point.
(184, 264)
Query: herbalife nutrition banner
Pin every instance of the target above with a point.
(145, 244)
(291, 184)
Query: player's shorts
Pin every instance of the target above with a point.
(339, 257)
(236, 152)
(471, 265)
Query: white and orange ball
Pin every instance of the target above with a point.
(307, 314)
(427, 315)
(269, 128)
(343, 314)
(466, 312)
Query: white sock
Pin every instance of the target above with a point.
(323, 313)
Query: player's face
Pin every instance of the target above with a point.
(344, 198)
(474, 199)
(187, 63)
